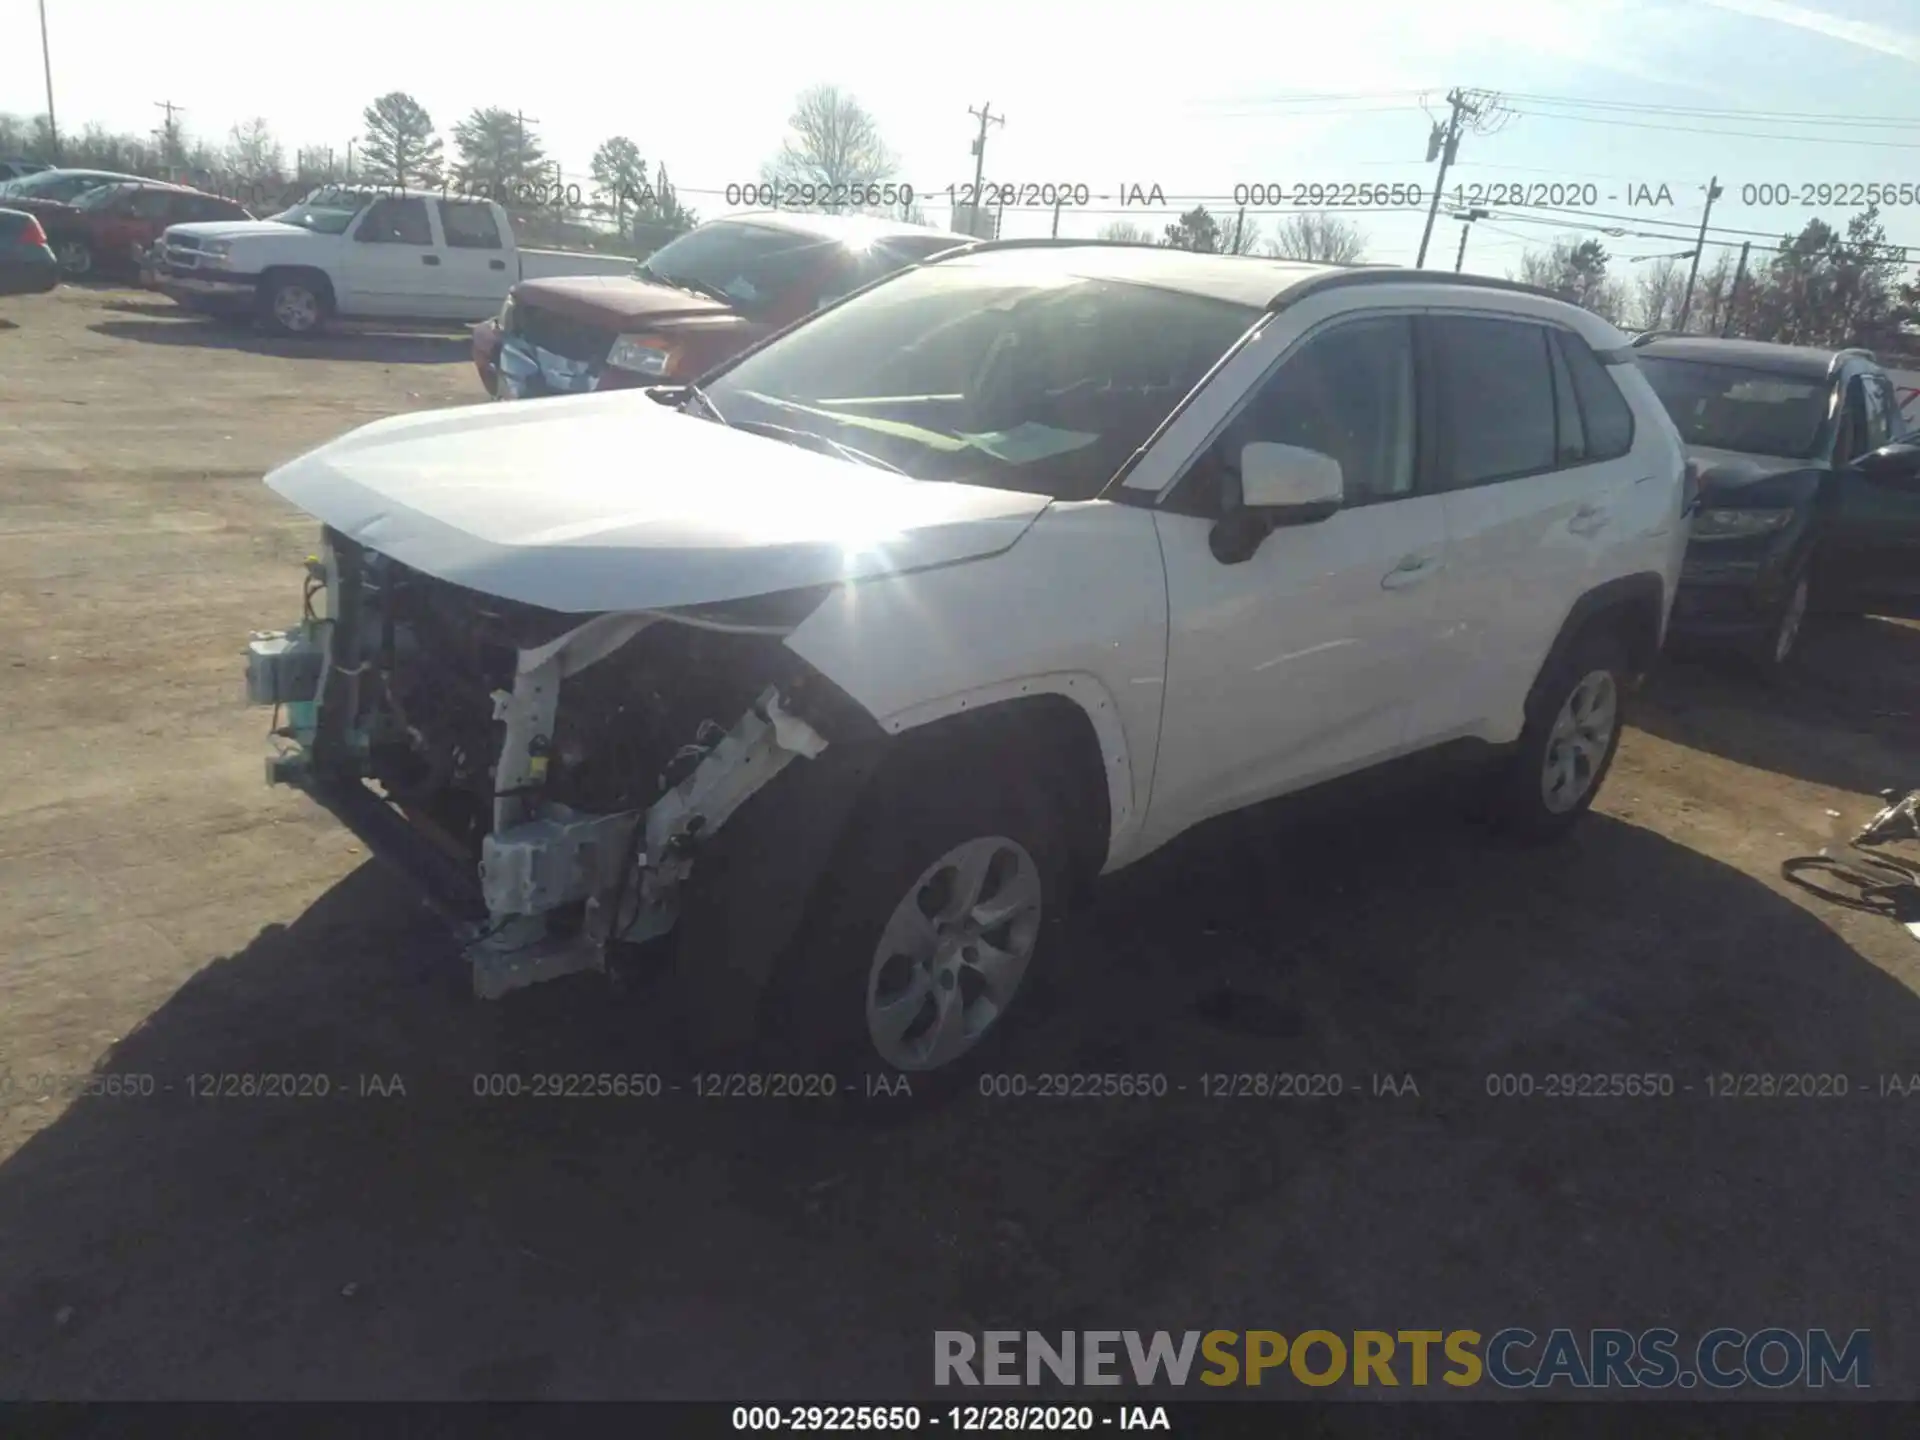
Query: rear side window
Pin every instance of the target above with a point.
(1604, 410)
(1494, 385)
(469, 226)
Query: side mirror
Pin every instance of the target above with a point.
(1290, 484)
(1279, 485)
(1895, 464)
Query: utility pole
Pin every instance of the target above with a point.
(520, 155)
(1466, 217)
(349, 160)
(1056, 217)
(986, 117)
(1239, 229)
(1693, 270)
(1733, 295)
(46, 63)
(169, 137)
(1442, 145)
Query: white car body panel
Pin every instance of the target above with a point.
(614, 502)
(1078, 609)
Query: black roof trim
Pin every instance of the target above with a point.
(1402, 275)
(1336, 275)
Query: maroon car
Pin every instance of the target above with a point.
(694, 302)
(108, 229)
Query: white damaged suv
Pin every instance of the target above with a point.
(841, 672)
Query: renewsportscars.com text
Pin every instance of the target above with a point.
(1513, 1358)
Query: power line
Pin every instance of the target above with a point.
(1799, 117)
(1723, 134)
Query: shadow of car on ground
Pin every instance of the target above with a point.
(370, 1244)
(1856, 679)
(334, 344)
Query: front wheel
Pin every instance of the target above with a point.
(1568, 743)
(925, 933)
(291, 306)
(1780, 647)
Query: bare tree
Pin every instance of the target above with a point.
(1577, 272)
(833, 147)
(253, 156)
(1325, 239)
(1657, 290)
(1126, 231)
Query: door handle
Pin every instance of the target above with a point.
(429, 259)
(1589, 518)
(496, 264)
(1411, 570)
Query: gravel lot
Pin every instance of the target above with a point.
(167, 915)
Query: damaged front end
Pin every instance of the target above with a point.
(547, 779)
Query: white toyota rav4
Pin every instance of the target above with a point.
(841, 672)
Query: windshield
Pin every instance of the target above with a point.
(1027, 379)
(1725, 407)
(103, 196)
(54, 185)
(321, 219)
(748, 266)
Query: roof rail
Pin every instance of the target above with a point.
(1339, 275)
(1647, 337)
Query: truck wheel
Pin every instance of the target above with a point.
(291, 305)
(1568, 744)
(923, 935)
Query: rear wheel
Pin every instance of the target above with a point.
(75, 257)
(1568, 744)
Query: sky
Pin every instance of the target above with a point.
(1596, 104)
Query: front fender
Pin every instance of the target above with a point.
(1077, 607)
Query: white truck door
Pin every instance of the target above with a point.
(477, 264)
(392, 266)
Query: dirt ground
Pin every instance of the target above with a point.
(167, 915)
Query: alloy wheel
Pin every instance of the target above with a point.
(296, 308)
(1578, 743)
(953, 953)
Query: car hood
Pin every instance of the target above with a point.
(613, 501)
(615, 299)
(235, 229)
(1729, 477)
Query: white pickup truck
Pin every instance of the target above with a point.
(359, 253)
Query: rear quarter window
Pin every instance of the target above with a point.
(1604, 411)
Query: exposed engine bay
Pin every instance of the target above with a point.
(573, 764)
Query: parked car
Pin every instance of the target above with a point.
(358, 253)
(698, 299)
(27, 265)
(109, 228)
(57, 185)
(1809, 487)
(16, 169)
(846, 667)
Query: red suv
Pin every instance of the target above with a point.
(110, 228)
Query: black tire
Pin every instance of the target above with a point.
(1775, 655)
(279, 304)
(1518, 804)
(814, 1016)
(77, 259)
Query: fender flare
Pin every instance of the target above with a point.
(1086, 692)
(1642, 591)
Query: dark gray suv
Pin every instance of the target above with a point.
(1808, 487)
